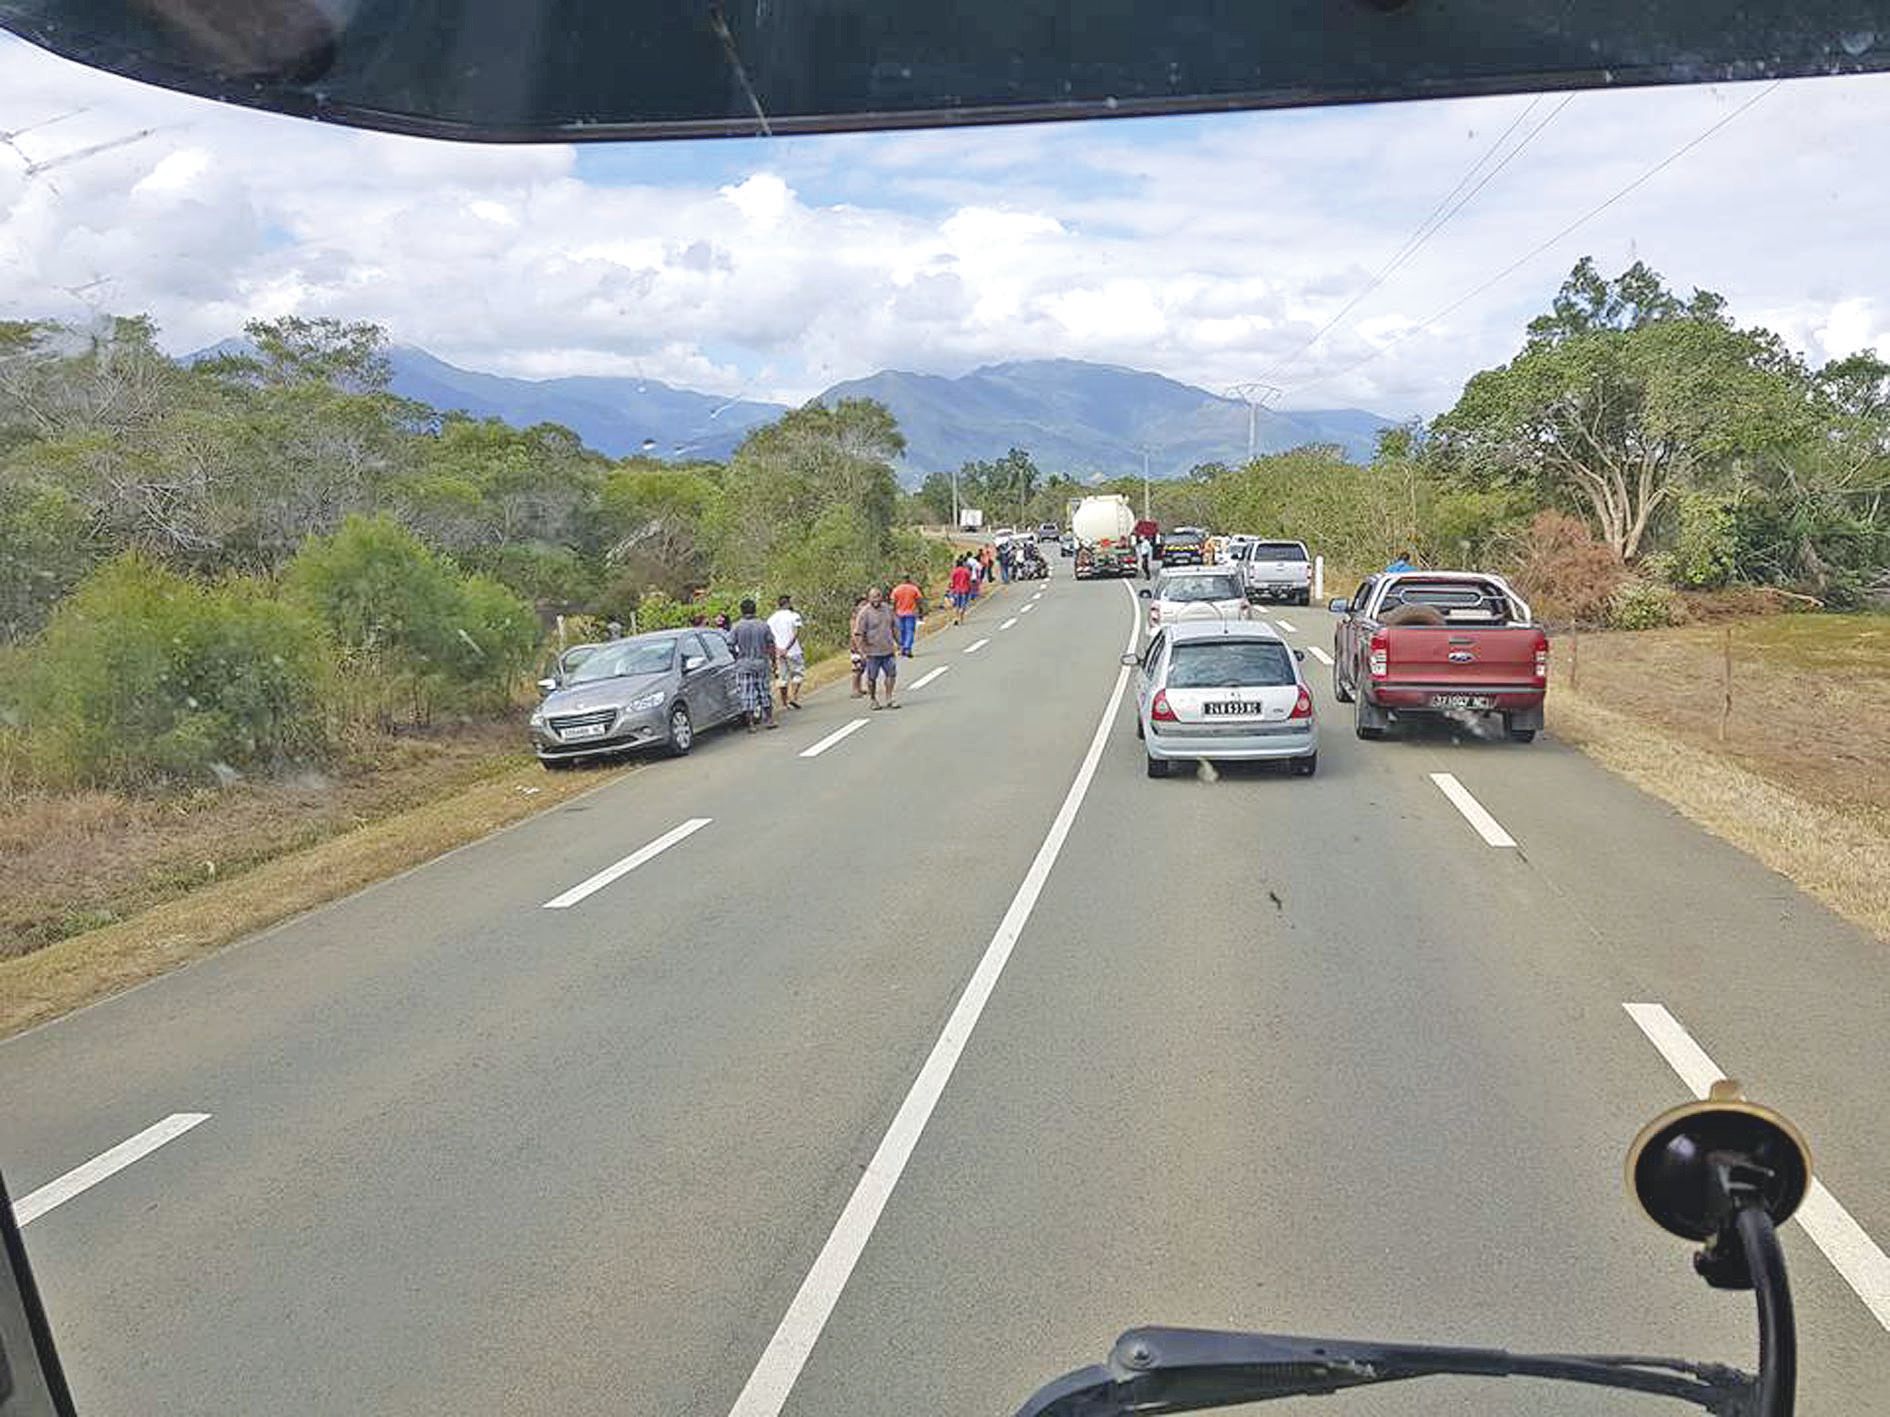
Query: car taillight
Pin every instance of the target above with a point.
(1302, 706)
(1380, 654)
(1159, 709)
(1542, 658)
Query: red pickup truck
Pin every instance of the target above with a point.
(1439, 642)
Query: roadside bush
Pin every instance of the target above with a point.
(1705, 550)
(416, 631)
(1567, 576)
(145, 677)
(1644, 605)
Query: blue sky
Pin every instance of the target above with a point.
(1211, 249)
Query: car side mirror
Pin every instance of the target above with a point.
(1300, 655)
(692, 662)
(546, 686)
(1131, 660)
(1340, 607)
(1143, 592)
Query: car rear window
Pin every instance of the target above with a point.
(1243, 664)
(1189, 588)
(1278, 551)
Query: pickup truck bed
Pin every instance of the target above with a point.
(1439, 642)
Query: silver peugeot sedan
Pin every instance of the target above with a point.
(1223, 690)
(657, 690)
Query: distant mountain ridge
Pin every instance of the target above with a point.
(1071, 416)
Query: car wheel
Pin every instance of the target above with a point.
(1157, 767)
(1367, 722)
(1339, 690)
(1306, 766)
(682, 733)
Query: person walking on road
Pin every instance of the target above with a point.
(754, 667)
(790, 657)
(908, 603)
(960, 590)
(876, 636)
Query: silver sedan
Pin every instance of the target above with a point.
(1223, 691)
(657, 690)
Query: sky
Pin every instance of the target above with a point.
(1211, 249)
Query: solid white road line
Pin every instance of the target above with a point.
(1008, 623)
(773, 1378)
(854, 726)
(592, 884)
(55, 1193)
(1288, 626)
(928, 677)
(1473, 811)
(1844, 1242)
(975, 646)
(1319, 654)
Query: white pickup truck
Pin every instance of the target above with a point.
(1275, 570)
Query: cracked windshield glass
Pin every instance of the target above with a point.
(844, 774)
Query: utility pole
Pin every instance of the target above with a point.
(1145, 515)
(1255, 396)
(956, 517)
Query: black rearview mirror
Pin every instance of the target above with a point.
(1680, 1164)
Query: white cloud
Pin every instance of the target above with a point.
(1209, 249)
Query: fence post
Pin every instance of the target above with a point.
(1318, 578)
(1725, 708)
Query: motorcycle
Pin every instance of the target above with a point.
(1723, 1173)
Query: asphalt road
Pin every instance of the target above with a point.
(1264, 1052)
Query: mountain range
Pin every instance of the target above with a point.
(1071, 416)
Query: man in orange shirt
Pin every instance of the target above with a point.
(907, 603)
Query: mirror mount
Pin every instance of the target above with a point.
(1340, 607)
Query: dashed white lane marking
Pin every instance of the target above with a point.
(774, 1375)
(1473, 811)
(54, 1193)
(1288, 626)
(853, 726)
(975, 646)
(928, 677)
(1319, 654)
(1025, 610)
(592, 884)
(1008, 623)
(1844, 1242)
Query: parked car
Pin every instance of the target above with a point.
(1230, 549)
(1047, 531)
(1066, 544)
(1413, 643)
(1183, 546)
(1195, 593)
(1277, 570)
(657, 690)
(1223, 691)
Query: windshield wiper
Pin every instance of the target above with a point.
(1188, 1370)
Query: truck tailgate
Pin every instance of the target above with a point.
(1462, 656)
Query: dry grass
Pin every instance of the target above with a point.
(1801, 779)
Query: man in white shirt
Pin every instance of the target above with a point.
(790, 656)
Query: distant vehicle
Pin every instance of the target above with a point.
(1046, 531)
(1195, 593)
(1002, 535)
(657, 690)
(970, 519)
(1223, 691)
(1066, 544)
(1183, 546)
(1104, 544)
(1276, 570)
(1413, 643)
(1227, 550)
(1028, 564)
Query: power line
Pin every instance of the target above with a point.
(1438, 217)
(1538, 249)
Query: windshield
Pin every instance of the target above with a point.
(1230, 663)
(1191, 588)
(879, 1018)
(620, 661)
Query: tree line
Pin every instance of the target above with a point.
(229, 564)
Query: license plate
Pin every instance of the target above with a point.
(586, 730)
(1461, 701)
(1233, 708)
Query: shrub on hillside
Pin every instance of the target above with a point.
(1567, 576)
(144, 676)
(1645, 605)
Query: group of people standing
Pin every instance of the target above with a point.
(970, 573)
(768, 654)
